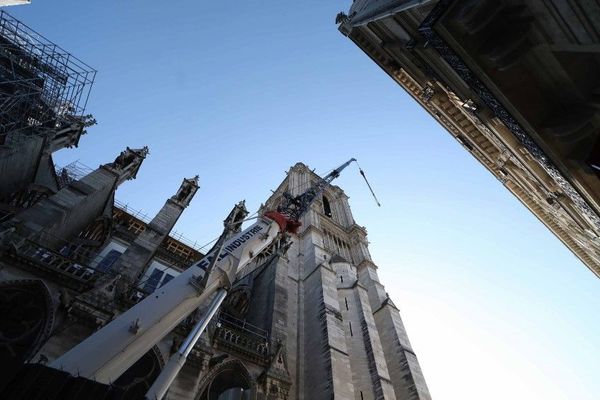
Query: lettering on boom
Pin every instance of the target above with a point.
(231, 247)
(243, 239)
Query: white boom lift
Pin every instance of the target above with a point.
(110, 351)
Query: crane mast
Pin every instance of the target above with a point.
(110, 351)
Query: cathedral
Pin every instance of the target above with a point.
(308, 320)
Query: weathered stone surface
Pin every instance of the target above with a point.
(335, 345)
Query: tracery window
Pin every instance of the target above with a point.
(326, 207)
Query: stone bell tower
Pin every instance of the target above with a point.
(314, 323)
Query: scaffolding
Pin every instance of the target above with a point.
(41, 85)
(71, 172)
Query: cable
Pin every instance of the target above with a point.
(368, 184)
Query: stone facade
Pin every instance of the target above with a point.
(74, 260)
(516, 83)
(343, 336)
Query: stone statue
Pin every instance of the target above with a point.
(128, 157)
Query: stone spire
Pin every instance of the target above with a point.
(58, 218)
(186, 191)
(127, 164)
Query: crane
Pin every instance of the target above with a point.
(111, 350)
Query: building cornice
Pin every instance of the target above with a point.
(497, 142)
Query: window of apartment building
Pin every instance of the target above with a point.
(166, 279)
(153, 280)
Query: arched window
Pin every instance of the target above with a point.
(228, 381)
(326, 207)
(140, 376)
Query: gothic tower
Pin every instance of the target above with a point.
(315, 323)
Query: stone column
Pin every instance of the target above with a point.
(324, 358)
(369, 369)
(403, 366)
(133, 262)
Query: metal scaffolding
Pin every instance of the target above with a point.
(71, 172)
(41, 85)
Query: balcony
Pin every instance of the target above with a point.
(239, 337)
(70, 271)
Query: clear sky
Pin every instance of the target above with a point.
(238, 91)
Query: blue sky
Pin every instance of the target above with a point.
(237, 92)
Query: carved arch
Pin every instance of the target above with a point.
(27, 320)
(138, 378)
(227, 375)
